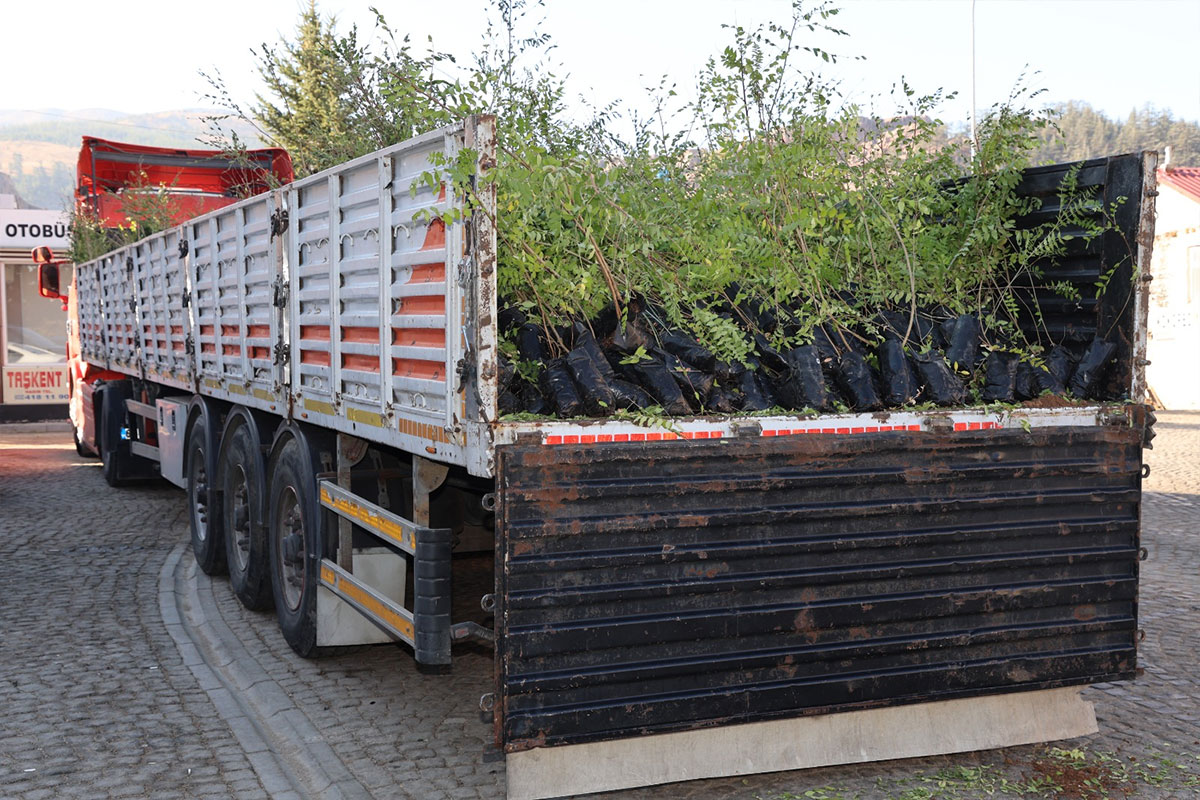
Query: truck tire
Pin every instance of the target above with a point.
(80, 450)
(295, 544)
(240, 473)
(203, 503)
(114, 451)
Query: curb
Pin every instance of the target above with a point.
(287, 752)
(55, 426)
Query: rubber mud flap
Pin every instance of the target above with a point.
(559, 389)
(1000, 376)
(941, 386)
(857, 381)
(1091, 367)
(598, 397)
(900, 385)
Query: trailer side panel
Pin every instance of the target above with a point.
(674, 585)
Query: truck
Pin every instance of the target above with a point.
(317, 368)
(109, 178)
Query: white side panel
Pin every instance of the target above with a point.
(338, 623)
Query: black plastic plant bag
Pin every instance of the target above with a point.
(509, 403)
(963, 351)
(653, 376)
(1026, 383)
(630, 396)
(1090, 370)
(940, 384)
(531, 343)
(1000, 377)
(721, 401)
(857, 381)
(560, 390)
(585, 341)
(694, 383)
(532, 400)
(896, 375)
(803, 385)
(756, 393)
(1053, 377)
(598, 397)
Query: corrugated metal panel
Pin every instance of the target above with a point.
(119, 311)
(1108, 191)
(89, 298)
(671, 585)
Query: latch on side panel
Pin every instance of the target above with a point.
(281, 353)
(279, 293)
(279, 222)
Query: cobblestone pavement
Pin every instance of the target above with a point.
(124, 673)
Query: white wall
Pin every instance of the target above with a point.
(1174, 322)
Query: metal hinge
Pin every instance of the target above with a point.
(279, 293)
(183, 248)
(279, 222)
(189, 345)
(128, 264)
(281, 353)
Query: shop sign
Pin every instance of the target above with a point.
(36, 383)
(27, 228)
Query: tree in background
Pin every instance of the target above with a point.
(1082, 132)
(306, 108)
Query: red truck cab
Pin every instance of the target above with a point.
(107, 174)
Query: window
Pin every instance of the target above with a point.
(35, 328)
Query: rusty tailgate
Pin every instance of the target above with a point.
(671, 585)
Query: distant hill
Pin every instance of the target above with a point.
(38, 149)
(7, 187)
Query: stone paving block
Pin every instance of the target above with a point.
(98, 682)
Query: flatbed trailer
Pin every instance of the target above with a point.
(317, 367)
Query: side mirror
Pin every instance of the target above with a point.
(48, 281)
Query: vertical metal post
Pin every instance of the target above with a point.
(345, 550)
(334, 189)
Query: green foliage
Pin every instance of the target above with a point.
(148, 209)
(766, 196)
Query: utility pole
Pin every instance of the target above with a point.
(974, 133)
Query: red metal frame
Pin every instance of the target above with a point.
(198, 181)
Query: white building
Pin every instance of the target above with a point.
(33, 330)
(1174, 322)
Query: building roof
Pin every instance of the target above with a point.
(1185, 180)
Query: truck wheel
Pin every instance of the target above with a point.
(114, 451)
(294, 534)
(242, 484)
(203, 506)
(82, 451)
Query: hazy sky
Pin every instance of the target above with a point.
(144, 55)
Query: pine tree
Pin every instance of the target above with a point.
(309, 83)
